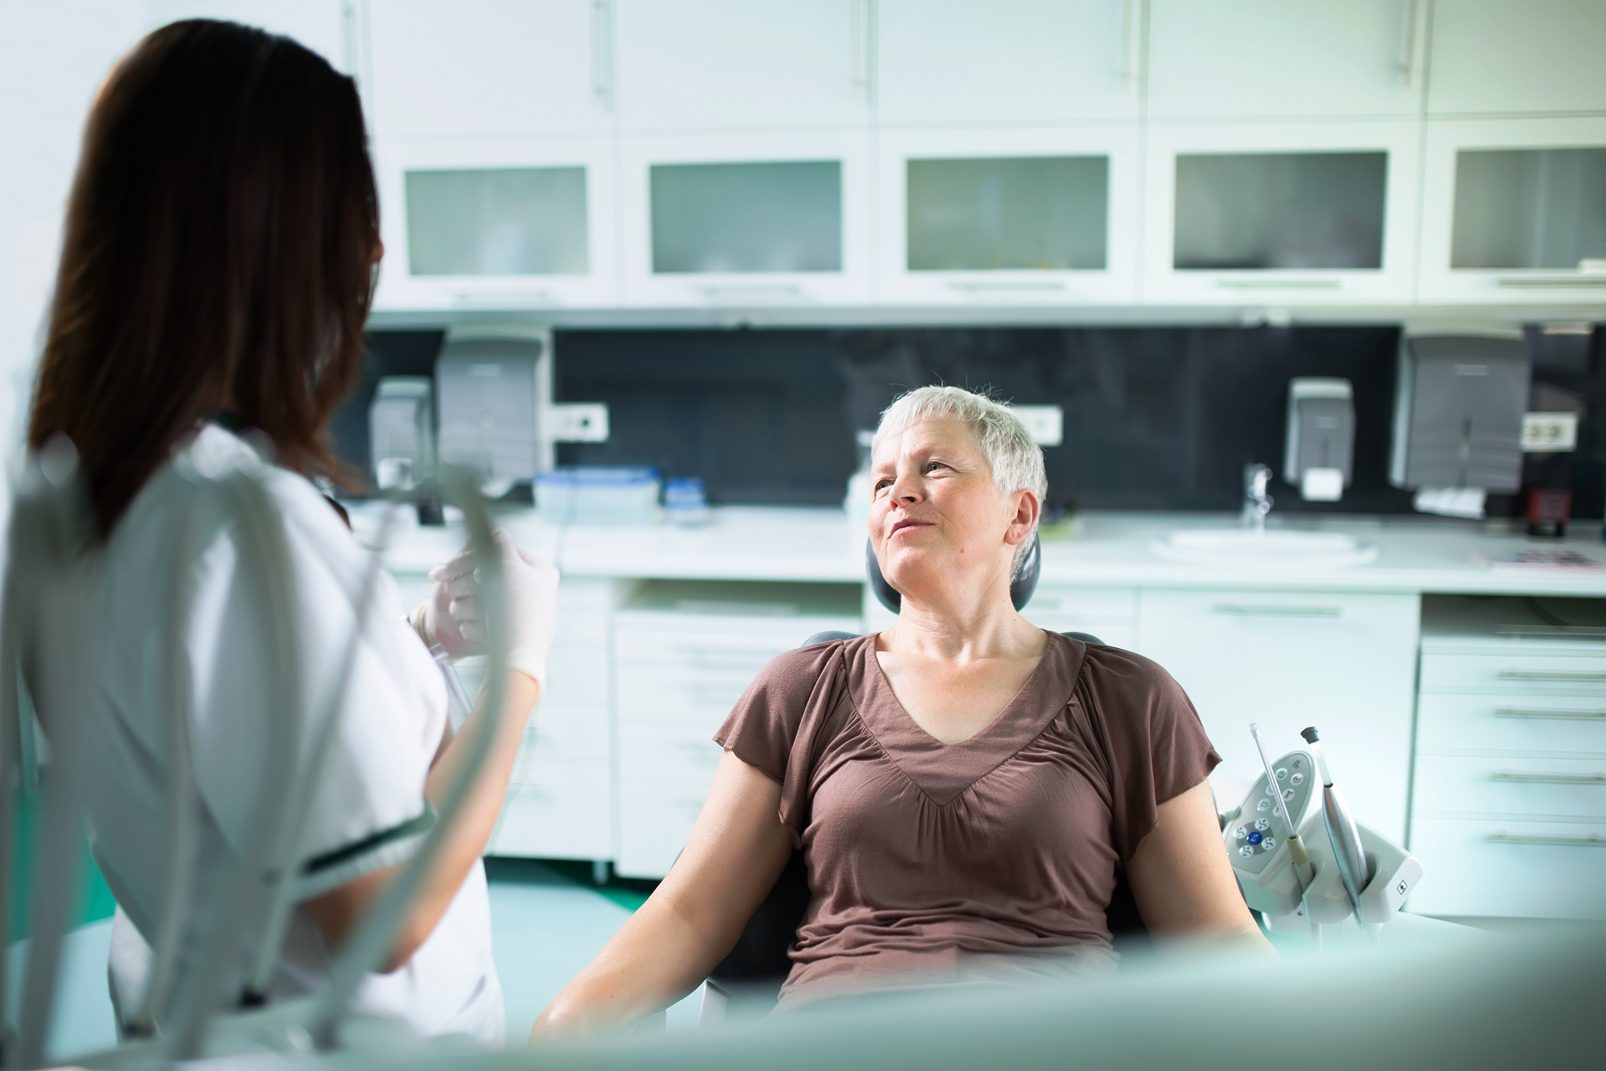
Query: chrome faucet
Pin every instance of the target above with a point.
(1257, 503)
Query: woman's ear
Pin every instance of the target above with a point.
(1024, 519)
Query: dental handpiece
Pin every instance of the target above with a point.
(1296, 847)
(1348, 855)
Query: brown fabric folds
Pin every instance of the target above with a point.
(988, 859)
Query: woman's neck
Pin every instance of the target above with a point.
(962, 630)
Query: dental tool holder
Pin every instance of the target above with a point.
(1275, 892)
(1267, 877)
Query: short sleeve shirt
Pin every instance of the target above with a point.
(993, 858)
(181, 607)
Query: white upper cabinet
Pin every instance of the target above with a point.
(1285, 58)
(1258, 213)
(1032, 216)
(499, 224)
(1502, 57)
(1016, 62)
(1523, 215)
(328, 27)
(489, 68)
(710, 65)
(752, 219)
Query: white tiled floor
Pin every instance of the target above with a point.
(544, 928)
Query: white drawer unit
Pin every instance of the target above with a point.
(1508, 812)
(684, 654)
(1510, 868)
(565, 814)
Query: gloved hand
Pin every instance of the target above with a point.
(454, 616)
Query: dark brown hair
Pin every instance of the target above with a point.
(218, 255)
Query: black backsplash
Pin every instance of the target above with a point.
(1156, 418)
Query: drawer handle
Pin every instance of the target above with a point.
(1239, 610)
(1549, 779)
(1519, 281)
(1555, 678)
(1279, 284)
(1592, 840)
(1551, 715)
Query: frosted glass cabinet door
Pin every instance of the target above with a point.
(1015, 62)
(1275, 58)
(503, 224)
(1525, 216)
(1034, 217)
(1293, 215)
(749, 220)
(489, 68)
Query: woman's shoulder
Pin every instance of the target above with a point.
(1114, 674)
(800, 669)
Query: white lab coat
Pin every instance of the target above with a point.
(368, 808)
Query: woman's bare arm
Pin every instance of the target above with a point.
(1181, 877)
(736, 851)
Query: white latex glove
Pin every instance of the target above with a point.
(454, 616)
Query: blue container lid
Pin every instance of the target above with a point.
(598, 476)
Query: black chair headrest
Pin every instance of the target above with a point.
(1020, 589)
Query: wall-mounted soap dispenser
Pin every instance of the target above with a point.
(1319, 455)
(1458, 410)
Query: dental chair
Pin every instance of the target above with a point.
(749, 978)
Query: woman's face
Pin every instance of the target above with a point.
(936, 514)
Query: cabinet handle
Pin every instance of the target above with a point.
(1132, 45)
(982, 286)
(1236, 610)
(1514, 777)
(1580, 281)
(1415, 13)
(1279, 284)
(601, 54)
(348, 43)
(494, 299)
(1554, 678)
(712, 290)
(1591, 840)
(1550, 715)
(862, 44)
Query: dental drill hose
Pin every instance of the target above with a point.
(1348, 854)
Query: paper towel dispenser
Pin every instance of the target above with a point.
(488, 400)
(1458, 409)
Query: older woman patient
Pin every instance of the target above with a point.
(964, 785)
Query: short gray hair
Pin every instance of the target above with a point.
(1017, 461)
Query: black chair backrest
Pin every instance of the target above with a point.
(758, 964)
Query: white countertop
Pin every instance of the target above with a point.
(1101, 550)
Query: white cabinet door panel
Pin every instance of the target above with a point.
(1344, 663)
(741, 64)
(1253, 58)
(1499, 57)
(567, 815)
(1015, 62)
(488, 68)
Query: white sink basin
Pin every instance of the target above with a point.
(1274, 549)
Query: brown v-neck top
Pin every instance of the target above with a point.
(989, 859)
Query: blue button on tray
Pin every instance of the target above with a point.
(1255, 837)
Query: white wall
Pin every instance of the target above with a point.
(53, 56)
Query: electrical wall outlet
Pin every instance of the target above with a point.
(578, 422)
(1549, 433)
(1044, 423)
